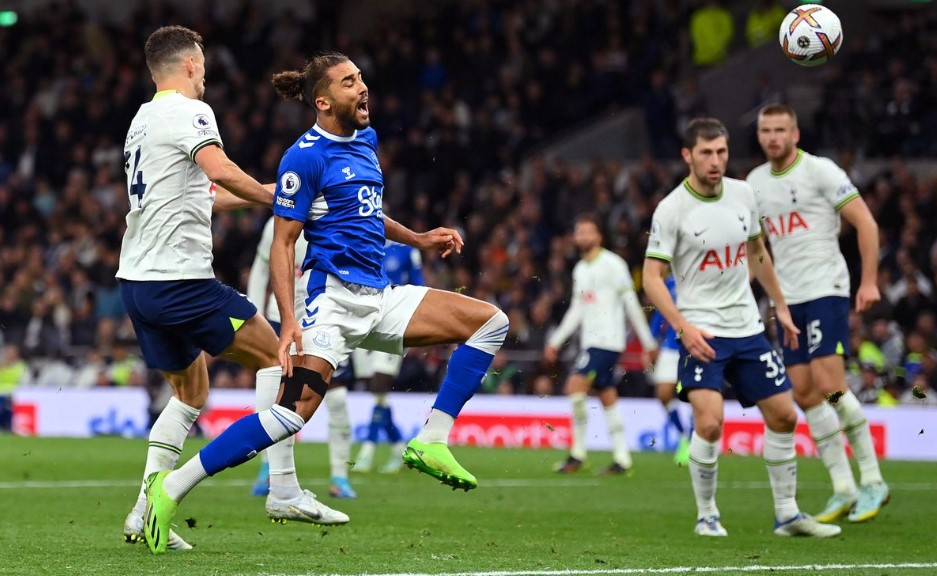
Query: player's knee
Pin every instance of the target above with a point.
(709, 427)
(807, 397)
(295, 396)
(490, 336)
(782, 420)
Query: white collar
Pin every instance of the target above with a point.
(333, 137)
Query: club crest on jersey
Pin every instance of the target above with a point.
(290, 183)
(201, 121)
(377, 163)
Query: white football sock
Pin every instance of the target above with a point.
(824, 428)
(166, 439)
(580, 422)
(616, 430)
(704, 472)
(781, 460)
(284, 485)
(339, 431)
(857, 430)
(437, 427)
(366, 453)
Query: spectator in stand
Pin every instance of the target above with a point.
(12, 372)
(761, 26)
(711, 32)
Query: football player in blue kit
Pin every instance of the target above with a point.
(330, 189)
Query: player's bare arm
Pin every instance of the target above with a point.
(445, 240)
(692, 337)
(283, 278)
(763, 267)
(857, 213)
(225, 173)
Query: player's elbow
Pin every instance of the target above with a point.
(222, 173)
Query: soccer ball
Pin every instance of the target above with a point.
(810, 35)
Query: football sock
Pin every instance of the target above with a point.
(580, 420)
(166, 438)
(857, 431)
(673, 414)
(284, 485)
(616, 430)
(437, 427)
(704, 471)
(781, 460)
(824, 428)
(339, 431)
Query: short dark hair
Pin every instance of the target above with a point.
(309, 83)
(777, 110)
(589, 218)
(166, 44)
(705, 128)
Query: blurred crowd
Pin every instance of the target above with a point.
(461, 96)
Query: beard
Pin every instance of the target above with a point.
(347, 117)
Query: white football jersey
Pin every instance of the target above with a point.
(300, 290)
(800, 207)
(705, 240)
(169, 224)
(597, 307)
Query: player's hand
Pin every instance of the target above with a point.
(791, 332)
(549, 354)
(445, 240)
(290, 333)
(649, 357)
(694, 340)
(867, 296)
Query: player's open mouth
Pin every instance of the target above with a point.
(363, 108)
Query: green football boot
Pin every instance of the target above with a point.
(160, 509)
(435, 459)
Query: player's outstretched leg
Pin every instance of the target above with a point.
(429, 452)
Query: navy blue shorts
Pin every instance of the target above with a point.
(824, 330)
(275, 325)
(750, 365)
(598, 365)
(176, 319)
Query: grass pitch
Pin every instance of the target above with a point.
(62, 505)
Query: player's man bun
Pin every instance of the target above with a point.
(166, 44)
(289, 84)
(309, 83)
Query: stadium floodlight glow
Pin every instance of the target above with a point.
(8, 18)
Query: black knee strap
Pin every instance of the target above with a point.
(293, 386)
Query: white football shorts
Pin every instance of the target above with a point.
(347, 316)
(665, 369)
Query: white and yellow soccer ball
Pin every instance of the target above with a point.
(810, 35)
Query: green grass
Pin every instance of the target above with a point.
(522, 517)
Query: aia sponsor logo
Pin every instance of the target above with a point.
(725, 258)
(746, 438)
(24, 419)
(513, 431)
(785, 224)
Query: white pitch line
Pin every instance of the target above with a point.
(493, 483)
(674, 570)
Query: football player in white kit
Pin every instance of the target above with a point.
(801, 198)
(602, 298)
(177, 174)
(707, 230)
(339, 438)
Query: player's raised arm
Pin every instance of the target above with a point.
(445, 240)
(225, 173)
(857, 213)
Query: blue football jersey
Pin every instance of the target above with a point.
(334, 184)
(403, 264)
(658, 323)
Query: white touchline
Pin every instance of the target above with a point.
(674, 570)
(493, 483)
